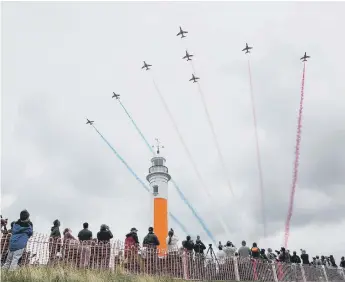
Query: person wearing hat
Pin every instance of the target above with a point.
(21, 232)
(151, 239)
(131, 243)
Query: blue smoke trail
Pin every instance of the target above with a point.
(208, 232)
(137, 128)
(179, 223)
(182, 196)
(136, 176)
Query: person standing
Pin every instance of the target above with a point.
(21, 232)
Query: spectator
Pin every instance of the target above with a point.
(151, 239)
(188, 244)
(323, 260)
(220, 253)
(304, 257)
(4, 224)
(244, 251)
(271, 256)
(199, 246)
(295, 258)
(67, 235)
(229, 249)
(85, 234)
(131, 243)
(283, 256)
(263, 254)
(318, 261)
(21, 232)
(332, 261)
(255, 251)
(55, 230)
(104, 235)
(54, 241)
(172, 241)
(342, 262)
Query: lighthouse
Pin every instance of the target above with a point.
(158, 178)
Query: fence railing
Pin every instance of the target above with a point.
(176, 263)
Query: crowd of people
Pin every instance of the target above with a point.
(22, 229)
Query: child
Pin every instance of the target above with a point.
(21, 232)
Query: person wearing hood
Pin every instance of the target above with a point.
(104, 235)
(54, 240)
(172, 241)
(151, 239)
(21, 232)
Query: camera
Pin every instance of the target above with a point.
(210, 245)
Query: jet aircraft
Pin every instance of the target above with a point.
(182, 32)
(146, 66)
(89, 121)
(188, 56)
(194, 78)
(247, 48)
(305, 57)
(117, 96)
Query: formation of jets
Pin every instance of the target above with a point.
(305, 57)
(117, 96)
(194, 78)
(182, 32)
(188, 56)
(147, 66)
(89, 121)
(247, 48)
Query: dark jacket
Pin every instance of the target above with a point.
(104, 235)
(55, 232)
(295, 259)
(21, 232)
(305, 258)
(151, 239)
(199, 247)
(85, 235)
(189, 245)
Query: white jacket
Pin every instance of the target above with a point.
(173, 244)
(229, 251)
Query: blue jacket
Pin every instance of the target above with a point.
(21, 232)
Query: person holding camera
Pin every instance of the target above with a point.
(188, 244)
(199, 246)
(229, 249)
(104, 235)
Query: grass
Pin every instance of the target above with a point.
(63, 274)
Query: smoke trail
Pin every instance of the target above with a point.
(296, 163)
(188, 153)
(258, 155)
(183, 228)
(194, 212)
(215, 138)
(182, 196)
(134, 174)
(137, 128)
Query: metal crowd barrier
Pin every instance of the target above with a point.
(177, 263)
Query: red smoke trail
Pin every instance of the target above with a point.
(296, 164)
(258, 155)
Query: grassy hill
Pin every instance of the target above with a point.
(60, 274)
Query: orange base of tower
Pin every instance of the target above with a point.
(160, 223)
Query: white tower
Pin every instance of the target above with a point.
(158, 178)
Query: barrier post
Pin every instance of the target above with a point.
(324, 272)
(237, 274)
(275, 277)
(303, 273)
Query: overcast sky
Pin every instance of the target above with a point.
(61, 62)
